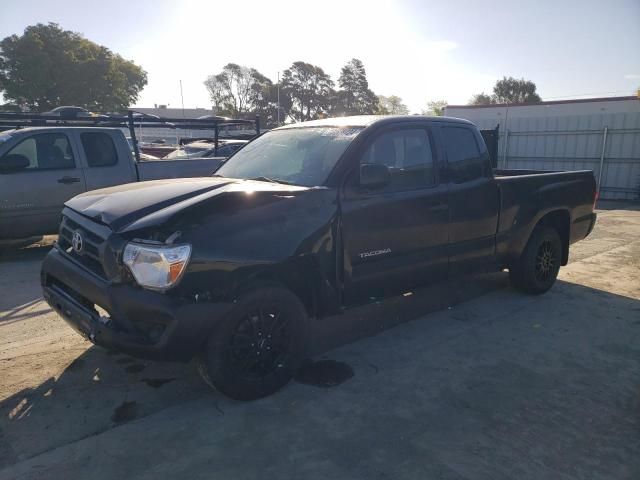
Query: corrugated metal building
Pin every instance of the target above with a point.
(599, 134)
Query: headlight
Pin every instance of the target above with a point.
(156, 267)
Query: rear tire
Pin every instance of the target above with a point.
(258, 347)
(536, 270)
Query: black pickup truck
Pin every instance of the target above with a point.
(303, 222)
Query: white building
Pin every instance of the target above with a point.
(586, 106)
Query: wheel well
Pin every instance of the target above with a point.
(303, 280)
(560, 221)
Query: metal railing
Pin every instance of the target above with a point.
(130, 121)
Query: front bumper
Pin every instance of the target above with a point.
(141, 323)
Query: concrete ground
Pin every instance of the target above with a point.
(490, 384)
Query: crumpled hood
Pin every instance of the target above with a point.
(137, 205)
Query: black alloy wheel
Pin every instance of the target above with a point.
(537, 268)
(257, 348)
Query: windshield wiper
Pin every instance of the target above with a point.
(272, 180)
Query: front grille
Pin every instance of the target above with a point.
(91, 255)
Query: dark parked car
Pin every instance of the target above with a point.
(67, 112)
(303, 222)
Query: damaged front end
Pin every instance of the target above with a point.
(94, 280)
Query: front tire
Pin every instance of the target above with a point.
(536, 270)
(258, 347)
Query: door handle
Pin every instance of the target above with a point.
(68, 180)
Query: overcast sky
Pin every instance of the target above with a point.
(419, 50)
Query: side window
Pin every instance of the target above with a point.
(44, 151)
(231, 149)
(99, 148)
(224, 151)
(466, 162)
(409, 156)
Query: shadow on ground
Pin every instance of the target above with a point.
(101, 389)
(511, 385)
(35, 252)
(24, 310)
(97, 391)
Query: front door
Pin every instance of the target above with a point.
(395, 237)
(33, 197)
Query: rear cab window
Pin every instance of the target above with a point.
(465, 159)
(99, 149)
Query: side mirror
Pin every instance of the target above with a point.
(13, 163)
(374, 175)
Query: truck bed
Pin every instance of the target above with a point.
(500, 173)
(527, 195)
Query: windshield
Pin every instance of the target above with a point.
(301, 156)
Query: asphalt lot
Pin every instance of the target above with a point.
(486, 383)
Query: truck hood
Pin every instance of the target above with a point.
(138, 205)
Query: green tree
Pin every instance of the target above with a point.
(512, 90)
(392, 105)
(242, 92)
(265, 100)
(310, 91)
(47, 67)
(509, 90)
(435, 108)
(232, 90)
(355, 96)
(481, 99)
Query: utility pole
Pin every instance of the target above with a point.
(182, 99)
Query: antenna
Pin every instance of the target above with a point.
(182, 101)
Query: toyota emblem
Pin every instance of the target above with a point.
(77, 242)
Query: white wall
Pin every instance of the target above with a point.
(496, 115)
